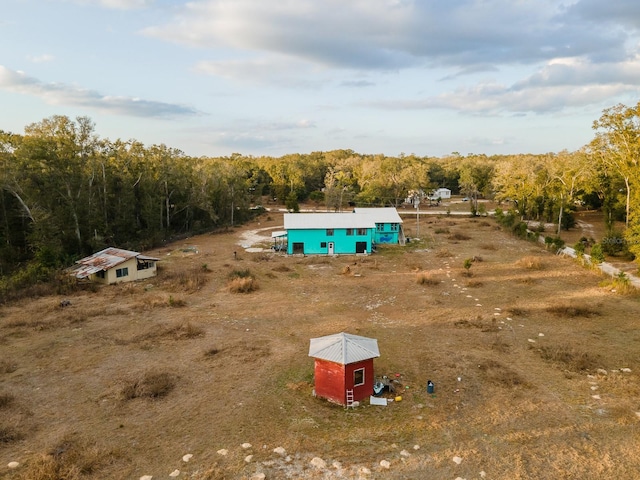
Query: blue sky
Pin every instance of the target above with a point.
(430, 77)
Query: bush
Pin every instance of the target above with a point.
(425, 278)
(597, 253)
(579, 248)
(614, 243)
(530, 263)
(243, 285)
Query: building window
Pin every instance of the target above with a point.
(323, 244)
(394, 227)
(122, 272)
(362, 231)
(358, 377)
(380, 227)
(349, 231)
(100, 274)
(143, 265)
(329, 232)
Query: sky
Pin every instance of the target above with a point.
(257, 77)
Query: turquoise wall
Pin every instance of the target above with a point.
(387, 233)
(313, 238)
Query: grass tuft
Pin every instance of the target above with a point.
(570, 357)
(151, 385)
(243, 285)
(572, 311)
(425, 278)
(530, 263)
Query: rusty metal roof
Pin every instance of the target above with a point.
(104, 260)
(344, 348)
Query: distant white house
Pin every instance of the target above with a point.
(113, 265)
(442, 193)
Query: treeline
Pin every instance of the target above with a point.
(67, 193)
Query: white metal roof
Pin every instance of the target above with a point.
(327, 220)
(380, 214)
(344, 348)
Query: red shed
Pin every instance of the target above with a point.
(343, 362)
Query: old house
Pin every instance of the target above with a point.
(343, 369)
(113, 265)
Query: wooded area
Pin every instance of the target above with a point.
(67, 193)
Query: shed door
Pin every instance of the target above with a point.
(361, 247)
(298, 247)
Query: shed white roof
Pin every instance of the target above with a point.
(327, 220)
(344, 348)
(380, 214)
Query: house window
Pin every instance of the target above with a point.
(122, 272)
(362, 231)
(323, 244)
(100, 274)
(349, 231)
(358, 377)
(329, 232)
(380, 227)
(394, 227)
(143, 265)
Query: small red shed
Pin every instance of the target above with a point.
(343, 362)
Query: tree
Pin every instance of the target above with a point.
(571, 174)
(617, 145)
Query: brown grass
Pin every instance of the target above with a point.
(426, 278)
(240, 369)
(459, 236)
(530, 263)
(150, 385)
(6, 399)
(572, 311)
(570, 357)
(242, 285)
(68, 459)
(7, 366)
(443, 253)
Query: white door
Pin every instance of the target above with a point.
(330, 248)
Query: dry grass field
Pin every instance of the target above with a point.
(535, 366)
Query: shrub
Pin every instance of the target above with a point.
(579, 248)
(425, 278)
(530, 263)
(614, 243)
(597, 253)
(243, 285)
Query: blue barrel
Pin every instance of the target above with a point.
(430, 386)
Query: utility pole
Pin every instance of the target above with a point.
(417, 204)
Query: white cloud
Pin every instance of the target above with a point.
(62, 94)
(392, 35)
(119, 4)
(44, 58)
(560, 84)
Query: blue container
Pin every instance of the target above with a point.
(430, 386)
